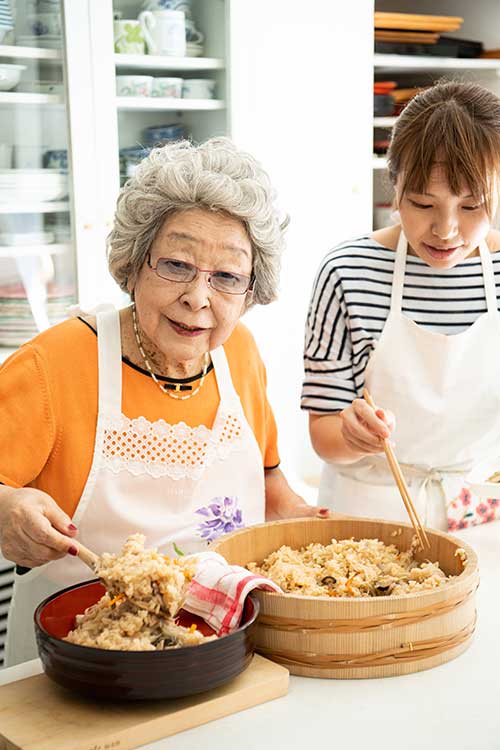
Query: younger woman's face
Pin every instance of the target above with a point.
(442, 228)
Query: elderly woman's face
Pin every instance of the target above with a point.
(186, 319)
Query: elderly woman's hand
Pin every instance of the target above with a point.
(283, 502)
(363, 428)
(33, 529)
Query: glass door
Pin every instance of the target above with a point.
(37, 258)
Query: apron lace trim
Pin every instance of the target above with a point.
(160, 449)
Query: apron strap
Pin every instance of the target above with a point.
(489, 278)
(399, 274)
(109, 362)
(227, 391)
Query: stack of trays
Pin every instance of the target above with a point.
(17, 324)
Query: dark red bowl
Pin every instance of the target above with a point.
(136, 675)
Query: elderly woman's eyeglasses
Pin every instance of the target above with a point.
(228, 282)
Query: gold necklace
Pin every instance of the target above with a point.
(206, 362)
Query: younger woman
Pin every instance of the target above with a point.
(411, 312)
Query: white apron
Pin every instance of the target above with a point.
(173, 483)
(445, 394)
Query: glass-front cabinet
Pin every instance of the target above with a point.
(37, 258)
(87, 88)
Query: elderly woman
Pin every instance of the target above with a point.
(154, 418)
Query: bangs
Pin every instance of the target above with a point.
(448, 136)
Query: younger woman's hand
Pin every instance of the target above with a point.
(364, 428)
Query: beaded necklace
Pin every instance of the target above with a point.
(206, 363)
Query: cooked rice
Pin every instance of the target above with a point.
(351, 568)
(145, 590)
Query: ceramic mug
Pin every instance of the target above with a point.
(198, 88)
(56, 159)
(164, 32)
(168, 87)
(129, 39)
(134, 85)
(27, 156)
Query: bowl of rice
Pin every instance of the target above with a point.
(360, 599)
(125, 635)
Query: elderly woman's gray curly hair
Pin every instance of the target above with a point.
(214, 175)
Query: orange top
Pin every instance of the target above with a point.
(48, 407)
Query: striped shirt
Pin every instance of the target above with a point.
(350, 304)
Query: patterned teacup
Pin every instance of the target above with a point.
(134, 85)
(167, 87)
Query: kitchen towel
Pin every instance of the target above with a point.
(217, 592)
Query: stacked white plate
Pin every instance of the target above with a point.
(26, 185)
(27, 238)
(16, 319)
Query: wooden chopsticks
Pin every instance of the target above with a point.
(402, 486)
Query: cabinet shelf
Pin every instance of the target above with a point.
(146, 103)
(415, 63)
(19, 251)
(29, 53)
(19, 97)
(163, 62)
(34, 208)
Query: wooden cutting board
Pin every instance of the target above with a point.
(36, 714)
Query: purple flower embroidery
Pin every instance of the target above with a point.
(223, 516)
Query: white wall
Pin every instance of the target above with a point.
(300, 95)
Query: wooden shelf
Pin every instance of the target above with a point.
(163, 62)
(19, 97)
(29, 53)
(34, 208)
(151, 103)
(415, 63)
(19, 251)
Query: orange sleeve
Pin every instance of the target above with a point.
(27, 425)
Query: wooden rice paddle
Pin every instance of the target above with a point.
(88, 557)
(400, 481)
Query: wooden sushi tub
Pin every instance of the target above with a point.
(361, 636)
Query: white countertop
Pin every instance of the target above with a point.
(452, 707)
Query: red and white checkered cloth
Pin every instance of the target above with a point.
(217, 592)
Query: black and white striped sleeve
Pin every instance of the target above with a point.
(328, 357)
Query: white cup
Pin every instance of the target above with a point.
(171, 88)
(134, 85)
(129, 39)
(198, 88)
(164, 32)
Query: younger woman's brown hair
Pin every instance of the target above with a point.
(456, 125)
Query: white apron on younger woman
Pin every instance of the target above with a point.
(442, 390)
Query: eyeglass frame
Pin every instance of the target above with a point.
(251, 278)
